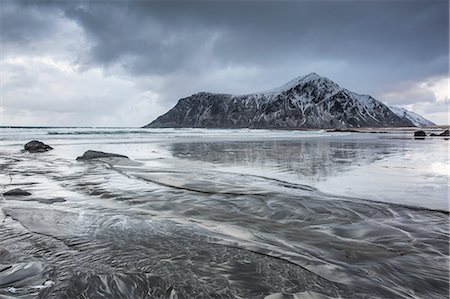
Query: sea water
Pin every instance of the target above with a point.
(198, 213)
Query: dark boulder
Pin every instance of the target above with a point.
(446, 133)
(420, 134)
(37, 147)
(17, 192)
(97, 154)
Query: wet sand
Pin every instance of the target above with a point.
(221, 218)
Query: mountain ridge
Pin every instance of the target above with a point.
(416, 119)
(311, 101)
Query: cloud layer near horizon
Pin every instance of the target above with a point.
(124, 63)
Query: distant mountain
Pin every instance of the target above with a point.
(413, 117)
(311, 101)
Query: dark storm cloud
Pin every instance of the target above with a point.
(21, 26)
(159, 36)
(148, 37)
(142, 45)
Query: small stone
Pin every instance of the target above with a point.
(97, 154)
(37, 147)
(17, 192)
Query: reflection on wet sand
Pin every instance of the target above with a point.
(311, 159)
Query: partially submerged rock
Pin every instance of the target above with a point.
(420, 134)
(37, 147)
(97, 154)
(17, 192)
(446, 133)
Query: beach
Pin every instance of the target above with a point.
(202, 213)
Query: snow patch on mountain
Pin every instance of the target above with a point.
(311, 101)
(416, 119)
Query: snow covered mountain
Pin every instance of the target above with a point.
(311, 101)
(416, 119)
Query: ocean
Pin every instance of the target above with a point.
(203, 213)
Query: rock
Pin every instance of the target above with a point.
(420, 134)
(50, 200)
(97, 154)
(37, 147)
(446, 133)
(17, 192)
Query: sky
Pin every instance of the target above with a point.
(123, 63)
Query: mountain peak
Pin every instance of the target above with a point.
(308, 78)
(311, 77)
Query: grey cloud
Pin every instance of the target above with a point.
(21, 25)
(155, 37)
(442, 107)
(160, 36)
(140, 45)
